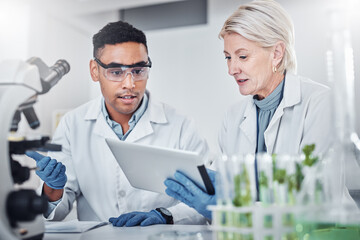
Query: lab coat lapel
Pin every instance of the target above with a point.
(248, 127)
(271, 131)
(292, 96)
(143, 128)
(153, 114)
(101, 127)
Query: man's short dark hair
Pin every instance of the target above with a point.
(117, 32)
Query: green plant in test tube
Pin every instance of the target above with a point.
(294, 181)
(309, 159)
(291, 180)
(311, 229)
(299, 176)
(279, 176)
(263, 187)
(265, 199)
(263, 180)
(242, 197)
(284, 187)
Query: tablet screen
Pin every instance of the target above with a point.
(147, 167)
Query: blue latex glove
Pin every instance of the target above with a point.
(185, 190)
(49, 170)
(138, 218)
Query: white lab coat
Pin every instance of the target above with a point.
(95, 179)
(303, 117)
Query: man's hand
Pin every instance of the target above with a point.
(138, 219)
(186, 191)
(49, 170)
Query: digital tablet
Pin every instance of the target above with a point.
(147, 167)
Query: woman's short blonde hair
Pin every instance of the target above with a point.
(265, 22)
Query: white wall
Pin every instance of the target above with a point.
(51, 39)
(190, 71)
(189, 68)
(14, 27)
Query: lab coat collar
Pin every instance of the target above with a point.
(94, 113)
(291, 97)
(154, 113)
(248, 125)
(292, 91)
(155, 110)
(94, 109)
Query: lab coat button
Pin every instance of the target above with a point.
(122, 193)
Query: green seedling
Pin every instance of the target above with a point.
(242, 189)
(309, 159)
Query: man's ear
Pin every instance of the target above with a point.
(94, 70)
(278, 53)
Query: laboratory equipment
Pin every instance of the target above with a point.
(328, 214)
(324, 214)
(282, 197)
(341, 77)
(20, 84)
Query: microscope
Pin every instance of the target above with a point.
(20, 83)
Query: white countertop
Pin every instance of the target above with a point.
(108, 232)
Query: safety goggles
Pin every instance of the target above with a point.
(118, 72)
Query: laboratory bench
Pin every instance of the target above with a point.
(154, 232)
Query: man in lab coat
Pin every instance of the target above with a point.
(125, 111)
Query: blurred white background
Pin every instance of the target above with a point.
(189, 70)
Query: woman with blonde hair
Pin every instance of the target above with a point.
(281, 113)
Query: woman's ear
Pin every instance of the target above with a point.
(278, 54)
(94, 70)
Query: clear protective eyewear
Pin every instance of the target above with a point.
(118, 72)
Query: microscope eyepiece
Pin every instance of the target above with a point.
(61, 67)
(49, 76)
